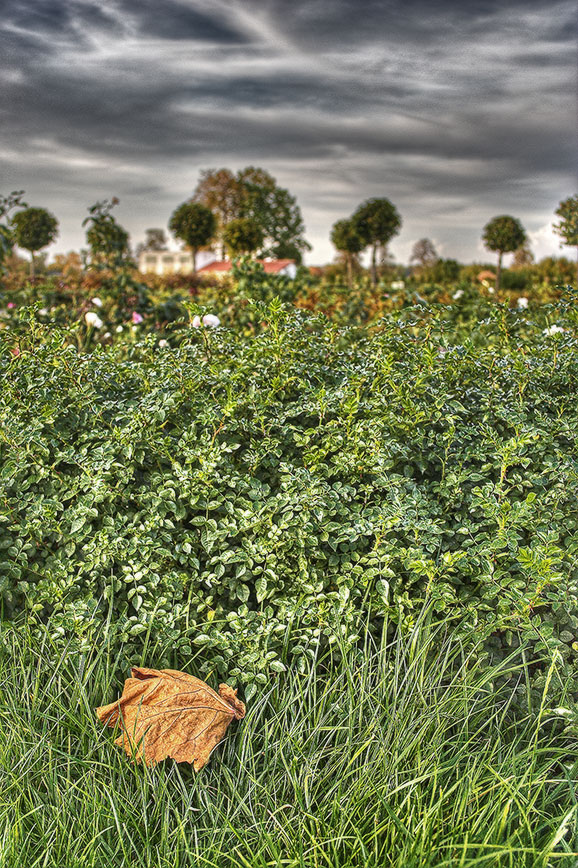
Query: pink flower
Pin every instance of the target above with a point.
(196, 322)
(136, 317)
(10, 305)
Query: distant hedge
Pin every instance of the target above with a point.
(213, 495)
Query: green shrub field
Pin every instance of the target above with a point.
(368, 522)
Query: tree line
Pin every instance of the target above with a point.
(249, 213)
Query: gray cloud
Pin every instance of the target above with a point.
(455, 112)
(176, 20)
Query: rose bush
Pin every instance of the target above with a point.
(215, 494)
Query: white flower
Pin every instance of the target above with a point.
(163, 343)
(43, 311)
(107, 335)
(522, 303)
(398, 284)
(96, 301)
(93, 319)
(553, 330)
(211, 320)
(119, 329)
(458, 294)
(196, 322)
(491, 290)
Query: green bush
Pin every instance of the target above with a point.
(212, 495)
(518, 280)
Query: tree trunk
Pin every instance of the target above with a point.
(349, 270)
(31, 265)
(374, 265)
(577, 266)
(194, 249)
(499, 274)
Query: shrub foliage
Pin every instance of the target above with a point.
(211, 495)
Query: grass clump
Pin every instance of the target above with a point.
(398, 754)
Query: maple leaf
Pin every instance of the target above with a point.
(165, 713)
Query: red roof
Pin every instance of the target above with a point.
(273, 267)
(215, 266)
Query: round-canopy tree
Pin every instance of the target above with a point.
(567, 228)
(34, 228)
(195, 224)
(242, 235)
(346, 239)
(503, 234)
(108, 241)
(376, 221)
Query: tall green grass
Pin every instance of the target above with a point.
(402, 754)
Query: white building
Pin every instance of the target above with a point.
(172, 261)
(181, 262)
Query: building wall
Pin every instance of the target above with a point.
(290, 271)
(172, 261)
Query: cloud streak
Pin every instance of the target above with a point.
(456, 113)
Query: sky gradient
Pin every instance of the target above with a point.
(456, 112)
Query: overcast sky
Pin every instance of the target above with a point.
(455, 111)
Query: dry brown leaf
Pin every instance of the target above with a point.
(164, 713)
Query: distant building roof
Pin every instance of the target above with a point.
(274, 266)
(486, 275)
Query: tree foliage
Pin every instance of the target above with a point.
(424, 253)
(7, 204)
(195, 224)
(567, 228)
(523, 256)
(107, 240)
(443, 271)
(33, 229)
(346, 238)
(254, 194)
(376, 221)
(243, 235)
(219, 190)
(503, 234)
(155, 239)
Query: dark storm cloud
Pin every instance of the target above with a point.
(174, 20)
(54, 20)
(450, 109)
(418, 21)
(48, 17)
